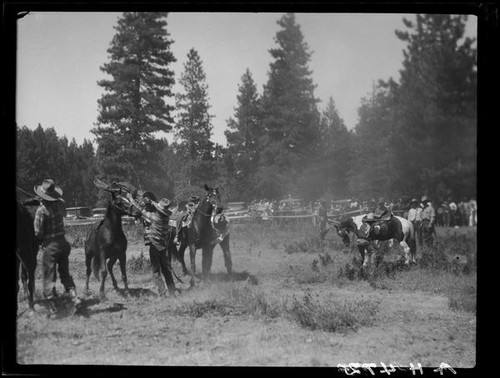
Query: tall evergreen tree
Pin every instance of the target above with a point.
(194, 127)
(290, 114)
(243, 133)
(437, 96)
(134, 109)
(372, 174)
(336, 153)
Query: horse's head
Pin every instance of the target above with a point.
(213, 197)
(343, 228)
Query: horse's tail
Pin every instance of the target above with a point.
(98, 265)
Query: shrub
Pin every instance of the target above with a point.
(138, 264)
(253, 300)
(337, 316)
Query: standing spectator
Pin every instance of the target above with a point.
(462, 213)
(473, 213)
(418, 222)
(446, 214)
(49, 229)
(428, 221)
(412, 216)
(453, 214)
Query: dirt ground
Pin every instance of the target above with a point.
(232, 322)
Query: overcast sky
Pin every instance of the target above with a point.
(59, 55)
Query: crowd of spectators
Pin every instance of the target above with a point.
(449, 213)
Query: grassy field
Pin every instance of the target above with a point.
(293, 301)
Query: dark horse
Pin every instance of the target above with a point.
(26, 250)
(107, 242)
(201, 234)
(395, 227)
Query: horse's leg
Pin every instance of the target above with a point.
(227, 255)
(88, 272)
(123, 268)
(103, 273)
(192, 257)
(406, 250)
(110, 264)
(24, 280)
(179, 255)
(31, 285)
(18, 264)
(207, 260)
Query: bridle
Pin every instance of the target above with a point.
(208, 196)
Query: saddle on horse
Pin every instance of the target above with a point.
(375, 220)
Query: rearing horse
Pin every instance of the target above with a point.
(107, 242)
(201, 234)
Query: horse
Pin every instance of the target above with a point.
(26, 251)
(397, 228)
(106, 242)
(202, 234)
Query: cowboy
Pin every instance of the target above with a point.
(382, 210)
(158, 234)
(49, 229)
(147, 198)
(428, 218)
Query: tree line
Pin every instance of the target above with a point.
(416, 135)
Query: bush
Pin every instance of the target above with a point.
(138, 264)
(253, 300)
(337, 316)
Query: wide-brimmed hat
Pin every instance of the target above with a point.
(424, 198)
(413, 200)
(163, 206)
(48, 191)
(147, 194)
(194, 199)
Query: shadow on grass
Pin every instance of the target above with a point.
(233, 277)
(85, 308)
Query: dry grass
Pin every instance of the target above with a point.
(291, 301)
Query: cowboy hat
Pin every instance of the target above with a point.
(413, 200)
(48, 191)
(163, 206)
(424, 198)
(194, 199)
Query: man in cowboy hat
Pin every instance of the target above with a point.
(49, 229)
(428, 218)
(158, 220)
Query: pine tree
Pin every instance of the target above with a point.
(336, 154)
(290, 114)
(243, 135)
(194, 126)
(437, 98)
(134, 109)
